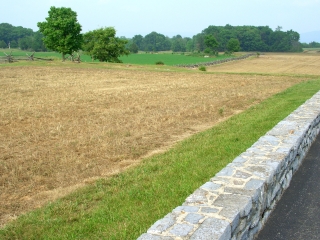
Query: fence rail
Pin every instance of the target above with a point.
(9, 58)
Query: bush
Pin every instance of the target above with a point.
(207, 50)
(159, 63)
(202, 68)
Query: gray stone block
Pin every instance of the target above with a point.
(188, 209)
(212, 229)
(254, 184)
(163, 224)
(227, 171)
(147, 236)
(209, 210)
(198, 197)
(193, 218)
(181, 230)
(210, 186)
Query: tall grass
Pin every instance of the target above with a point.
(124, 206)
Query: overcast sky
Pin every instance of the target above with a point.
(169, 17)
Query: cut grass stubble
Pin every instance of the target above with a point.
(124, 206)
(62, 127)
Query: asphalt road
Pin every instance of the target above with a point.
(297, 214)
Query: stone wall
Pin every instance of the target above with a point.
(196, 65)
(237, 201)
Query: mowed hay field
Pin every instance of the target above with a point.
(63, 127)
(284, 63)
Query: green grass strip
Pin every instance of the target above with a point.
(141, 58)
(167, 59)
(125, 206)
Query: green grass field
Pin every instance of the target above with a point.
(140, 59)
(124, 206)
(51, 55)
(167, 58)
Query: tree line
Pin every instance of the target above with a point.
(61, 32)
(251, 38)
(311, 45)
(20, 37)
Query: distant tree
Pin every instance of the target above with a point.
(314, 45)
(102, 44)
(233, 45)
(156, 42)
(178, 44)
(25, 43)
(198, 42)
(61, 31)
(138, 40)
(281, 42)
(189, 44)
(37, 43)
(3, 44)
(250, 39)
(133, 48)
(211, 43)
(13, 44)
(9, 33)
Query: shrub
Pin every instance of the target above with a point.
(207, 50)
(202, 68)
(159, 63)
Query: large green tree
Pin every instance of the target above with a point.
(156, 42)
(102, 44)
(62, 31)
(233, 45)
(211, 43)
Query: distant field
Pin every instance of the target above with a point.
(271, 63)
(311, 49)
(140, 59)
(167, 58)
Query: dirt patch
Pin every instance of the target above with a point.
(62, 128)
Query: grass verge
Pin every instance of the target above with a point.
(124, 206)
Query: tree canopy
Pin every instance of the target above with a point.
(63, 35)
(102, 44)
(252, 38)
(233, 45)
(61, 30)
(211, 44)
(20, 37)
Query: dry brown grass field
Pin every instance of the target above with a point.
(63, 127)
(285, 63)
